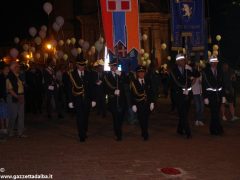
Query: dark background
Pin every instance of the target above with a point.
(17, 16)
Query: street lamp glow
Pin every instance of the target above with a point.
(49, 46)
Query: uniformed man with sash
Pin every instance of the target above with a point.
(180, 81)
(213, 92)
(114, 88)
(142, 99)
(80, 94)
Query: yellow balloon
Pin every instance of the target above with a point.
(65, 57)
(45, 55)
(79, 50)
(73, 40)
(218, 38)
(164, 46)
(142, 51)
(145, 37)
(215, 52)
(68, 41)
(61, 43)
(146, 55)
(209, 53)
(169, 58)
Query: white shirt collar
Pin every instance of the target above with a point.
(80, 73)
(141, 80)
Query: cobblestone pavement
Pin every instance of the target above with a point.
(53, 148)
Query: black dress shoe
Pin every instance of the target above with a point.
(119, 139)
(60, 116)
(189, 136)
(49, 116)
(180, 132)
(145, 138)
(82, 139)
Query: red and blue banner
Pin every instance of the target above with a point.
(188, 19)
(121, 25)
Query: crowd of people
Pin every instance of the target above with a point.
(76, 88)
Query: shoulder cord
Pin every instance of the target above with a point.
(75, 84)
(177, 82)
(133, 87)
(108, 83)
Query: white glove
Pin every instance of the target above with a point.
(118, 72)
(94, 104)
(187, 67)
(70, 105)
(206, 101)
(224, 100)
(117, 92)
(99, 82)
(151, 106)
(134, 108)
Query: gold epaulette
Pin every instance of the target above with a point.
(109, 84)
(140, 96)
(80, 88)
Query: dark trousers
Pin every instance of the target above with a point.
(182, 103)
(54, 95)
(101, 104)
(117, 115)
(143, 112)
(82, 108)
(215, 124)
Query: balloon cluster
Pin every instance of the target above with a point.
(41, 45)
(144, 59)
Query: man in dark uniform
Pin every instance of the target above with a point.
(80, 95)
(180, 81)
(142, 99)
(114, 87)
(97, 77)
(52, 88)
(213, 92)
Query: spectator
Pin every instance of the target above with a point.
(15, 88)
(4, 69)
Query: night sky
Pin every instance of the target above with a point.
(17, 16)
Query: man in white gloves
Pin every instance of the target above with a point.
(114, 82)
(142, 99)
(80, 93)
(213, 93)
(181, 78)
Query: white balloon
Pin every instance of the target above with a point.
(33, 49)
(42, 34)
(101, 40)
(86, 45)
(65, 57)
(99, 45)
(56, 27)
(14, 52)
(32, 31)
(47, 7)
(60, 20)
(16, 40)
(74, 52)
(44, 28)
(25, 47)
(61, 43)
(145, 37)
(38, 55)
(93, 50)
(54, 42)
(38, 40)
(80, 42)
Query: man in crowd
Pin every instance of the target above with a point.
(142, 99)
(15, 89)
(114, 87)
(214, 94)
(180, 81)
(80, 96)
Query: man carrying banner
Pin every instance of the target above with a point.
(114, 88)
(180, 81)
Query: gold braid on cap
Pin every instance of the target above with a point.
(109, 84)
(141, 96)
(76, 86)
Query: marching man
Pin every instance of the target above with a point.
(181, 79)
(80, 94)
(213, 93)
(142, 99)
